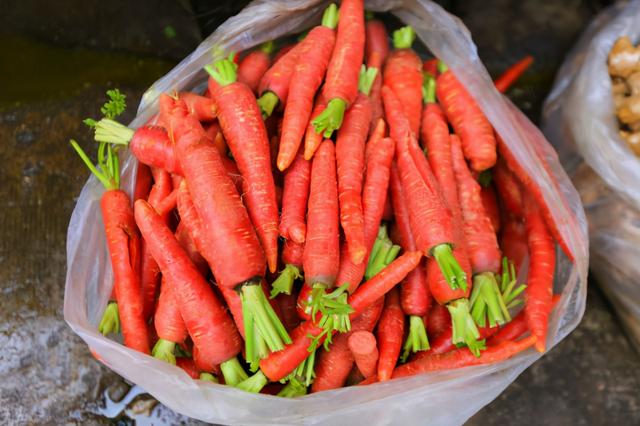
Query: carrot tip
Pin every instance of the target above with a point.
(298, 233)
(110, 323)
(540, 346)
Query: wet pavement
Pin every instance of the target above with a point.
(47, 375)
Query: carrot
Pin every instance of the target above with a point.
(512, 74)
(364, 349)
(378, 164)
(350, 153)
(189, 367)
(312, 139)
(438, 320)
(143, 182)
(513, 241)
(490, 204)
(541, 270)
(283, 51)
(246, 136)
(232, 233)
(274, 84)
(122, 241)
(294, 200)
(460, 358)
(305, 81)
(443, 342)
(287, 306)
(203, 108)
(390, 333)
(321, 251)
(430, 66)
(403, 75)
(253, 66)
(508, 188)
(516, 328)
(376, 52)
(341, 84)
(278, 364)
(290, 273)
(334, 365)
(468, 121)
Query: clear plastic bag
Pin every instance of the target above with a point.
(448, 397)
(579, 120)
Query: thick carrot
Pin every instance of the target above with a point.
(294, 200)
(168, 322)
(341, 84)
(460, 358)
(312, 139)
(468, 121)
(143, 182)
(509, 189)
(350, 157)
(490, 204)
(439, 320)
(390, 334)
(253, 66)
(512, 74)
(209, 325)
(364, 349)
(274, 84)
(283, 51)
(373, 199)
(305, 81)
(513, 241)
(203, 108)
(541, 271)
(279, 364)
(244, 130)
(403, 74)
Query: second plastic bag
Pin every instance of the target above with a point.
(444, 398)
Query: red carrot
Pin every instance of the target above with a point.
(376, 52)
(508, 188)
(490, 204)
(294, 200)
(143, 183)
(468, 121)
(438, 321)
(390, 334)
(430, 66)
(312, 140)
(189, 367)
(373, 199)
(253, 66)
(231, 235)
(287, 305)
(274, 85)
(279, 364)
(246, 136)
(513, 241)
(283, 51)
(350, 153)
(516, 328)
(203, 108)
(363, 347)
(168, 322)
(305, 81)
(122, 241)
(460, 358)
(341, 84)
(512, 74)
(443, 342)
(403, 75)
(541, 271)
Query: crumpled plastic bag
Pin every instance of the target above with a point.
(449, 397)
(579, 120)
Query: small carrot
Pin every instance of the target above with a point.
(294, 200)
(312, 140)
(376, 52)
(390, 334)
(244, 130)
(305, 81)
(350, 157)
(468, 121)
(364, 349)
(459, 358)
(253, 66)
(341, 84)
(122, 236)
(541, 270)
(512, 74)
(403, 75)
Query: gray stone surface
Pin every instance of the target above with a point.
(47, 375)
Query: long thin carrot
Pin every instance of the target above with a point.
(253, 66)
(341, 84)
(403, 74)
(350, 157)
(143, 182)
(460, 358)
(468, 121)
(516, 328)
(509, 189)
(122, 240)
(512, 74)
(294, 200)
(541, 270)
(376, 52)
(305, 81)
(274, 84)
(490, 203)
(312, 139)
(390, 334)
(513, 241)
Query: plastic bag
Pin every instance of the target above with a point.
(448, 397)
(579, 120)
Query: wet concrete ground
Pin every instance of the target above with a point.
(47, 375)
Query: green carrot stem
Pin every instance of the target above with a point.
(293, 389)
(486, 301)
(392, 254)
(330, 16)
(464, 330)
(429, 89)
(284, 282)
(442, 67)
(403, 38)
(208, 377)
(417, 339)
(267, 103)
(233, 372)
(164, 350)
(366, 78)
(107, 130)
(102, 175)
(451, 270)
(256, 307)
(223, 71)
(110, 323)
(267, 47)
(253, 384)
(331, 118)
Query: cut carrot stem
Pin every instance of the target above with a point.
(233, 372)
(163, 349)
(293, 389)
(487, 302)
(208, 377)
(267, 103)
(417, 339)
(110, 323)
(463, 327)
(284, 282)
(253, 384)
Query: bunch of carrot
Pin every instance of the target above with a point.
(391, 242)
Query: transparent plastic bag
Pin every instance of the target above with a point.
(448, 397)
(579, 120)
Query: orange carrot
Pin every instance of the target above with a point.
(490, 204)
(508, 188)
(274, 85)
(364, 349)
(513, 241)
(253, 66)
(312, 139)
(376, 52)
(294, 200)
(390, 334)
(512, 74)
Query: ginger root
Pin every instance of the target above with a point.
(624, 58)
(632, 139)
(624, 68)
